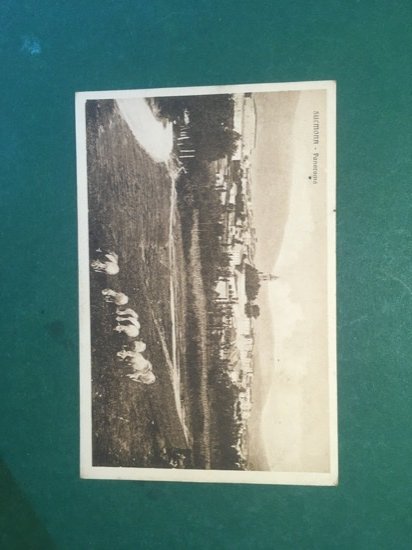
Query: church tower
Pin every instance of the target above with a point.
(267, 276)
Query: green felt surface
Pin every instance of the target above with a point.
(49, 50)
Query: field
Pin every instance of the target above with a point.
(129, 212)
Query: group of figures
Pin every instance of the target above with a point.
(127, 323)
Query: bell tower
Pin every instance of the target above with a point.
(267, 276)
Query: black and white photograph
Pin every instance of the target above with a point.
(207, 283)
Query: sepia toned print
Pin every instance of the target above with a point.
(207, 284)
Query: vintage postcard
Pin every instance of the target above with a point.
(207, 283)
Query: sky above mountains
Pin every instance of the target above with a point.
(289, 424)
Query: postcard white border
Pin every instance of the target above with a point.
(87, 470)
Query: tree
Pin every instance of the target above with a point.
(252, 310)
(211, 122)
(252, 284)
